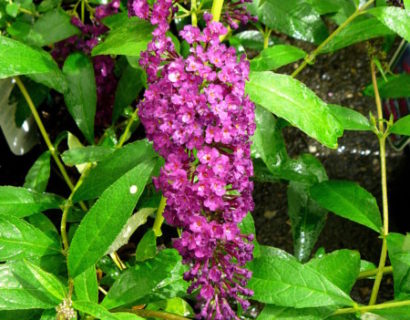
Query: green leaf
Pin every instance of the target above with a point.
(129, 38)
(396, 19)
(81, 97)
(50, 28)
(329, 6)
(367, 265)
(86, 285)
(175, 305)
(400, 313)
(399, 254)
(271, 312)
(349, 118)
(44, 224)
(20, 202)
(292, 100)
(39, 173)
(130, 85)
(133, 223)
(17, 58)
(295, 18)
(15, 296)
(247, 226)
(396, 86)
(30, 276)
(127, 316)
(307, 219)
(94, 309)
(341, 267)
(86, 154)
(104, 221)
(147, 247)
(267, 142)
(348, 200)
(12, 9)
(401, 126)
(19, 239)
(55, 80)
(21, 314)
(151, 278)
(49, 314)
(357, 31)
(112, 167)
(275, 57)
(278, 278)
(250, 39)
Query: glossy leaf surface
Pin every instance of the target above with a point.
(349, 118)
(348, 200)
(271, 312)
(104, 221)
(401, 126)
(86, 154)
(396, 19)
(39, 173)
(275, 57)
(81, 97)
(147, 247)
(292, 100)
(399, 254)
(396, 86)
(86, 285)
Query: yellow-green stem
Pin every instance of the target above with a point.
(266, 36)
(363, 309)
(217, 9)
(372, 273)
(381, 134)
(194, 18)
(82, 11)
(159, 218)
(311, 57)
(124, 136)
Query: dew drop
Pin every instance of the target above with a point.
(133, 189)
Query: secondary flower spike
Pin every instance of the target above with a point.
(197, 114)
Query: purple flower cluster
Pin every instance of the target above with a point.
(103, 65)
(197, 114)
(235, 12)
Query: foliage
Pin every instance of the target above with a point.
(82, 57)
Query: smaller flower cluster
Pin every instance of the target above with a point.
(106, 81)
(235, 12)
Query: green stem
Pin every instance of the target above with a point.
(372, 273)
(153, 313)
(381, 134)
(266, 36)
(312, 56)
(124, 136)
(159, 218)
(217, 9)
(363, 309)
(44, 132)
(82, 11)
(194, 18)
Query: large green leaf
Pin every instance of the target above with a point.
(147, 247)
(147, 279)
(341, 267)
(32, 277)
(39, 173)
(86, 285)
(50, 28)
(278, 278)
(295, 18)
(401, 126)
(307, 219)
(292, 100)
(21, 202)
(357, 31)
(94, 309)
(399, 254)
(81, 96)
(396, 86)
(104, 221)
(15, 296)
(267, 142)
(86, 154)
(330, 6)
(349, 118)
(271, 312)
(130, 85)
(19, 239)
(401, 313)
(112, 167)
(395, 19)
(348, 200)
(275, 57)
(17, 58)
(129, 38)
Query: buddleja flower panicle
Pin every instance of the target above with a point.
(197, 114)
